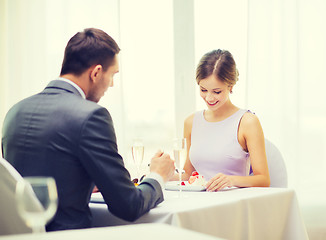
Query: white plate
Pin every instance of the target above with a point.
(174, 186)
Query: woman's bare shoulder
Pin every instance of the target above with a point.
(189, 119)
(250, 125)
(188, 122)
(250, 119)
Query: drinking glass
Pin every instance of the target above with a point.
(137, 150)
(36, 199)
(180, 156)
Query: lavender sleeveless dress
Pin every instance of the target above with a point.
(215, 147)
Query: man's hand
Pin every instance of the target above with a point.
(162, 164)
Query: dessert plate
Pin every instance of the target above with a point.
(175, 186)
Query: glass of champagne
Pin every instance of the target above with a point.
(36, 199)
(180, 156)
(137, 150)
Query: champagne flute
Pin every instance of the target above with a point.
(138, 154)
(36, 199)
(180, 156)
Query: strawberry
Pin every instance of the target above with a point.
(183, 184)
(194, 173)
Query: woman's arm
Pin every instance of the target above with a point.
(251, 131)
(251, 138)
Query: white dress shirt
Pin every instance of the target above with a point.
(74, 85)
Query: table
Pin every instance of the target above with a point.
(242, 213)
(133, 232)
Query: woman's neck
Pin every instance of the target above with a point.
(223, 112)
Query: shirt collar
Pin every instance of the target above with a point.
(74, 85)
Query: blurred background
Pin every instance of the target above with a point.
(279, 47)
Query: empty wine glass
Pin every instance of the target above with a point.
(180, 156)
(36, 199)
(138, 154)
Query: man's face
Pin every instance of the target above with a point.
(99, 88)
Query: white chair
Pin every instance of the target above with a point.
(10, 221)
(276, 166)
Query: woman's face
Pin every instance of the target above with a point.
(214, 92)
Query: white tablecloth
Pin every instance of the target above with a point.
(247, 213)
(131, 232)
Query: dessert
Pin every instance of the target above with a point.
(196, 179)
(196, 183)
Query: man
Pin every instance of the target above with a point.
(61, 134)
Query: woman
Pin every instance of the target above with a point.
(221, 138)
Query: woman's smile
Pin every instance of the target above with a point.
(211, 104)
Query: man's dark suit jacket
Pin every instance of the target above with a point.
(58, 133)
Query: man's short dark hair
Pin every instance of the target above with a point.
(85, 49)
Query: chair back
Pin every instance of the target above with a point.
(10, 221)
(276, 166)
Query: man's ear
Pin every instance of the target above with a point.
(96, 73)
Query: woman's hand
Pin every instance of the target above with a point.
(219, 182)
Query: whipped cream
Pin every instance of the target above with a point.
(197, 180)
